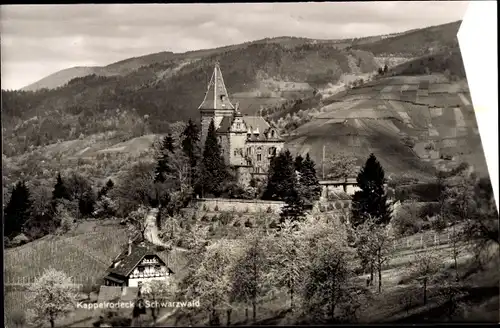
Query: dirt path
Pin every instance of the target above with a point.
(151, 233)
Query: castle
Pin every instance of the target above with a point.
(247, 142)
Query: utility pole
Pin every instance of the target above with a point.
(323, 163)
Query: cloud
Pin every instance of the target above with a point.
(38, 39)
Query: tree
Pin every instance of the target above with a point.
(190, 143)
(328, 295)
(282, 179)
(298, 163)
(166, 149)
(64, 216)
(18, 210)
(136, 222)
(294, 208)
(213, 168)
(60, 191)
(104, 190)
(288, 260)
(105, 207)
(341, 166)
(424, 266)
(80, 191)
(308, 180)
(386, 68)
(156, 291)
(51, 297)
(374, 246)
(249, 277)
(371, 200)
(136, 188)
(212, 280)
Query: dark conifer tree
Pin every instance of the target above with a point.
(191, 148)
(371, 200)
(167, 148)
(104, 190)
(294, 208)
(309, 180)
(18, 210)
(281, 181)
(60, 190)
(299, 160)
(190, 143)
(214, 173)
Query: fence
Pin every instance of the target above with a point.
(423, 240)
(28, 280)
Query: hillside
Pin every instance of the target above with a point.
(416, 43)
(409, 122)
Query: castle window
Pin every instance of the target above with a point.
(236, 152)
(272, 133)
(272, 151)
(249, 151)
(238, 126)
(257, 170)
(259, 154)
(222, 97)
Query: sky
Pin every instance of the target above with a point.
(38, 40)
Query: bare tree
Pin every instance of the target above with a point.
(156, 291)
(212, 280)
(136, 222)
(52, 297)
(288, 260)
(249, 275)
(425, 266)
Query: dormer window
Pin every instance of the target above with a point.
(222, 97)
(238, 126)
(272, 133)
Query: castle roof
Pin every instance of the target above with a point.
(216, 96)
(225, 124)
(256, 123)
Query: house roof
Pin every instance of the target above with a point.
(256, 122)
(216, 96)
(127, 262)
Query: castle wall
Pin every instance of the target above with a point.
(237, 205)
(251, 150)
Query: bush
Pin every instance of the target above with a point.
(225, 218)
(273, 225)
(236, 223)
(269, 210)
(216, 208)
(204, 218)
(18, 318)
(215, 218)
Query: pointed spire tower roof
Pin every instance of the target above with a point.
(216, 96)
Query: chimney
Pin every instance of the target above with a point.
(129, 246)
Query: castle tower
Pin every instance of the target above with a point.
(216, 104)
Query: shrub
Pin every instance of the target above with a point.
(18, 318)
(225, 218)
(236, 223)
(273, 225)
(215, 218)
(216, 208)
(269, 210)
(204, 218)
(204, 207)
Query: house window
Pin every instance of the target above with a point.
(249, 151)
(259, 154)
(272, 151)
(257, 170)
(236, 152)
(140, 269)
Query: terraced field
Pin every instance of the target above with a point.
(379, 115)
